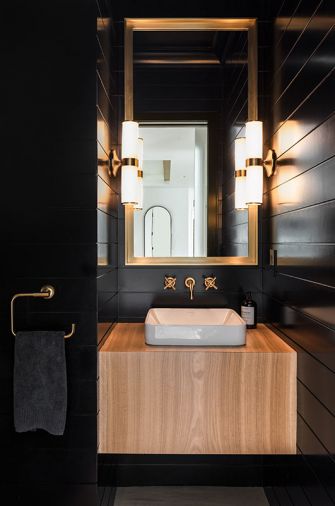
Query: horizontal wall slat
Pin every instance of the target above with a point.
(316, 339)
(313, 43)
(302, 117)
(307, 441)
(307, 189)
(319, 419)
(313, 224)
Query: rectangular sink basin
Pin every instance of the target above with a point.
(194, 327)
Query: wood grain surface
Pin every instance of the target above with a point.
(185, 400)
(129, 337)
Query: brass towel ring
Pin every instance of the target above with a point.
(47, 292)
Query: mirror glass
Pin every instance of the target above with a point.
(189, 91)
(174, 180)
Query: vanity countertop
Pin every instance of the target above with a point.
(129, 337)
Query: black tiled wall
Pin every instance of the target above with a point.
(108, 111)
(299, 224)
(49, 234)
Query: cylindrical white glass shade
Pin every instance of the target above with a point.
(254, 139)
(129, 139)
(139, 183)
(254, 184)
(140, 153)
(129, 194)
(240, 192)
(240, 174)
(240, 153)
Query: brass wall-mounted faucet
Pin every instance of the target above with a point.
(189, 283)
(210, 282)
(170, 282)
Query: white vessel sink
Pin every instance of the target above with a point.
(194, 327)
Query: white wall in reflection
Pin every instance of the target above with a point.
(175, 178)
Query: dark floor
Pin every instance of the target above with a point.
(182, 496)
(106, 496)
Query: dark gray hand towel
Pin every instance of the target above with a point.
(40, 389)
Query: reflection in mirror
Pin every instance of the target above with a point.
(192, 89)
(204, 74)
(157, 232)
(175, 177)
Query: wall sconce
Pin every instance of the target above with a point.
(139, 183)
(255, 163)
(240, 175)
(130, 155)
(131, 163)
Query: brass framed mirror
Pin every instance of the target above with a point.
(178, 130)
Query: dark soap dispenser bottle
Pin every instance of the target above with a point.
(249, 311)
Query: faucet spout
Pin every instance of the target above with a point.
(189, 283)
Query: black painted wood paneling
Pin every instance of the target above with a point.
(299, 296)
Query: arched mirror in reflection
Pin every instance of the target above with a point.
(157, 232)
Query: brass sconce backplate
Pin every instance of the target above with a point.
(270, 162)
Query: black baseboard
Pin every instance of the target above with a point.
(51, 494)
(206, 470)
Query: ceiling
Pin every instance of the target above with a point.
(176, 144)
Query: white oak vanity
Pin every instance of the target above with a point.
(192, 400)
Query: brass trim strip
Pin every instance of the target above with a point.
(189, 24)
(241, 173)
(251, 162)
(130, 161)
(252, 71)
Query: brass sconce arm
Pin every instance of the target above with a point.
(113, 163)
(270, 162)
